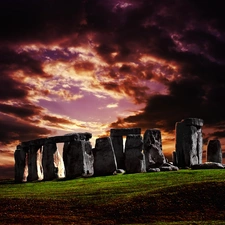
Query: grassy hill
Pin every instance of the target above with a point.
(179, 197)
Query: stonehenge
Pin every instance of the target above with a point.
(188, 142)
(134, 158)
(105, 162)
(153, 148)
(40, 159)
(214, 151)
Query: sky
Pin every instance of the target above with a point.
(92, 65)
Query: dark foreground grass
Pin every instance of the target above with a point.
(182, 197)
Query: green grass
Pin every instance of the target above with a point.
(179, 197)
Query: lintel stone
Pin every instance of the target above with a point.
(124, 131)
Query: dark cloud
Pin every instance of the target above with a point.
(39, 20)
(21, 111)
(56, 120)
(188, 34)
(16, 129)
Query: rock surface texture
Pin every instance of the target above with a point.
(189, 142)
(116, 136)
(154, 156)
(104, 157)
(134, 158)
(208, 165)
(214, 151)
(20, 163)
(77, 156)
(49, 169)
(32, 163)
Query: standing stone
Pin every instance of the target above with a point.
(20, 163)
(117, 141)
(66, 157)
(49, 169)
(153, 149)
(214, 151)
(134, 157)
(32, 163)
(74, 159)
(104, 157)
(174, 157)
(88, 159)
(189, 142)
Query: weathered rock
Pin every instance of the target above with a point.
(208, 165)
(88, 159)
(189, 142)
(49, 169)
(124, 131)
(20, 163)
(153, 170)
(214, 151)
(119, 171)
(134, 157)
(153, 148)
(32, 163)
(174, 157)
(74, 159)
(78, 158)
(117, 142)
(58, 139)
(174, 168)
(165, 168)
(104, 157)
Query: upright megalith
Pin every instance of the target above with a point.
(78, 157)
(20, 163)
(117, 141)
(214, 151)
(88, 159)
(74, 159)
(49, 169)
(32, 163)
(189, 142)
(105, 162)
(134, 158)
(153, 149)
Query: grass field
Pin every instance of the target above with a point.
(179, 197)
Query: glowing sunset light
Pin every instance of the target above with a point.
(89, 66)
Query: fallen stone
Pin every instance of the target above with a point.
(104, 157)
(208, 165)
(153, 170)
(174, 168)
(214, 151)
(153, 148)
(119, 172)
(165, 168)
(134, 157)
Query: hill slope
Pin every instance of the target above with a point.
(162, 198)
